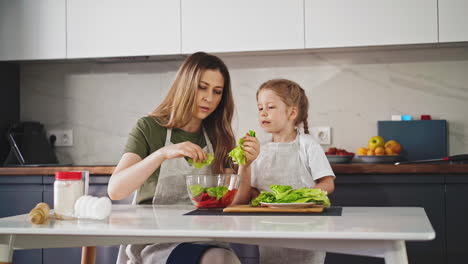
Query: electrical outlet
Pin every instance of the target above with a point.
(63, 137)
(322, 134)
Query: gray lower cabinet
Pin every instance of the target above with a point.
(457, 218)
(18, 195)
(426, 191)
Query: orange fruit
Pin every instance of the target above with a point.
(395, 146)
(379, 151)
(388, 151)
(362, 151)
(370, 152)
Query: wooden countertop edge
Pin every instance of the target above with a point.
(400, 169)
(93, 170)
(337, 168)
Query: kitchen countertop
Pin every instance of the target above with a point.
(337, 168)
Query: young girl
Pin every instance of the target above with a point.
(292, 157)
(194, 119)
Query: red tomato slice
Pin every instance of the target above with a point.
(228, 197)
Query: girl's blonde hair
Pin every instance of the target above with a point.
(291, 94)
(176, 109)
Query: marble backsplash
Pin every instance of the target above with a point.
(348, 90)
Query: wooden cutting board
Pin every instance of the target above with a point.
(260, 209)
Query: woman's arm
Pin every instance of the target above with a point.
(326, 183)
(132, 171)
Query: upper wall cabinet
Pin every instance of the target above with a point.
(453, 20)
(338, 23)
(109, 28)
(32, 29)
(242, 25)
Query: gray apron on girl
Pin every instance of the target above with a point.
(283, 164)
(170, 189)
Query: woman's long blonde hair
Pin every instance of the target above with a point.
(180, 103)
(291, 94)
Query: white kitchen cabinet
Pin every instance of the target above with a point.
(242, 25)
(110, 28)
(338, 23)
(453, 20)
(32, 29)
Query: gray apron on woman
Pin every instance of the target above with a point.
(170, 189)
(281, 163)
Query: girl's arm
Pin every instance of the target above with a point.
(132, 171)
(251, 147)
(326, 183)
(245, 195)
(244, 192)
(317, 161)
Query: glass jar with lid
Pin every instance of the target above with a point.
(68, 187)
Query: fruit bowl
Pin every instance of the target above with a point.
(212, 190)
(374, 159)
(339, 159)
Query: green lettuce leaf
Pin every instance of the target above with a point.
(196, 190)
(264, 197)
(237, 154)
(200, 165)
(217, 192)
(286, 194)
(280, 191)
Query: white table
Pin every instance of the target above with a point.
(367, 231)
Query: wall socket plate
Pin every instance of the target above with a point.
(64, 137)
(322, 134)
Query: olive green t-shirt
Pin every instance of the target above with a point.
(148, 136)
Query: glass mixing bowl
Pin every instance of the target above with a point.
(212, 190)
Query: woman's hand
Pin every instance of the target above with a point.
(184, 149)
(251, 147)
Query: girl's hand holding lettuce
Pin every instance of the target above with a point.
(237, 154)
(286, 194)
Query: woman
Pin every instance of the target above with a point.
(194, 119)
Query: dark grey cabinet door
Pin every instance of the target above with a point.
(427, 191)
(457, 218)
(18, 195)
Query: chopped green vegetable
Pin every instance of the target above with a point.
(237, 154)
(280, 191)
(196, 190)
(217, 192)
(286, 194)
(264, 197)
(199, 165)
